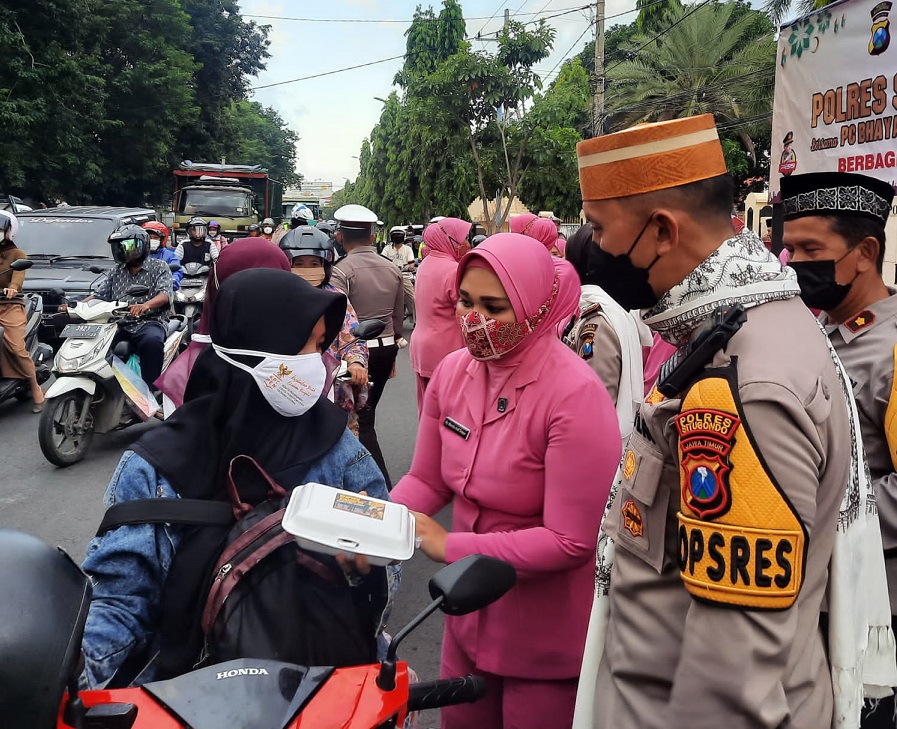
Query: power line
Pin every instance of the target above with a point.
(407, 21)
(503, 2)
(564, 57)
(659, 35)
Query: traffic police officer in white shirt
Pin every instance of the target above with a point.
(375, 288)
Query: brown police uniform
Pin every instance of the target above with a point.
(15, 362)
(724, 526)
(375, 288)
(867, 345)
(593, 338)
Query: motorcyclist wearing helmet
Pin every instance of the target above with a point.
(254, 230)
(215, 235)
(146, 331)
(198, 248)
(329, 228)
(158, 235)
(268, 228)
(15, 362)
(402, 255)
(312, 255)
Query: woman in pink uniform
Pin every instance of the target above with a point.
(436, 331)
(542, 229)
(522, 438)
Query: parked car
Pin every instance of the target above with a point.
(13, 204)
(71, 254)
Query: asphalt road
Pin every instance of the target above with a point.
(64, 506)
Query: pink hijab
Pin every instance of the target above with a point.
(541, 229)
(569, 291)
(447, 236)
(238, 256)
(528, 275)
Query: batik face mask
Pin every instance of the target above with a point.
(487, 338)
(290, 384)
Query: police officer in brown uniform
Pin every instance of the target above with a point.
(725, 510)
(375, 288)
(835, 232)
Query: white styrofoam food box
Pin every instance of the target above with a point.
(333, 521)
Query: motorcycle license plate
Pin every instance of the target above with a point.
(83, 331)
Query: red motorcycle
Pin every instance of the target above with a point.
(42, 616)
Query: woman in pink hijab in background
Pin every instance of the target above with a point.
(436, 331)
(541, 229)
(238, 256)
(507, 424)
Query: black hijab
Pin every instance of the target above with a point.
(224, 414)
(579, 251)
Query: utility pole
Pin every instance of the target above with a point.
(598, 100)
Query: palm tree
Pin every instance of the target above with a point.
(713, 58)
(777, 9)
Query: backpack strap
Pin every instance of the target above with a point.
(200, 512)
(240, 506)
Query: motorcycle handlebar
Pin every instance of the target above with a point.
(445, 692)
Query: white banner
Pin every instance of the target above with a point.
(835, 104)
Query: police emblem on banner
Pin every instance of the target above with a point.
(706, 438)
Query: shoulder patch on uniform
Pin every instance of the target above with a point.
(585, 340)
(862, 320)
(590, 309)
(741, 543)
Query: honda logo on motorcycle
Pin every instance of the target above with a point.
(234, 672)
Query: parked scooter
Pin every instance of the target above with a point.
(95, 390)
(189, 298)
(40, 655)
(41, 354)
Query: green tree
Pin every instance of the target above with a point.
(486, 97)
(92, 96)
(717, 59)
(654, 15)
(260, 135)
(228, 51)
(557, 121)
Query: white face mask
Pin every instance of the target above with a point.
(267, 230)
(290, 384)
(155, 245)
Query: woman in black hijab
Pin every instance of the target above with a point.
(228, 410)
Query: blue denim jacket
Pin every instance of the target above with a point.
(129, 565)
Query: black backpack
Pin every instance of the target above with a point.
(240, 586)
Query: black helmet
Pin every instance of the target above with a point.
(254, 228)
(309, 241)
(130, 243)
(43, 611)
(197, 225)
(477, 239)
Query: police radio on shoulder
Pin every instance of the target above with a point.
(690, 359)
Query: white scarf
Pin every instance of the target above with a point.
(632, 335)
(861, 642)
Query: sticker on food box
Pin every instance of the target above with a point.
(359, 505)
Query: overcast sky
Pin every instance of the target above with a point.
(334, 113)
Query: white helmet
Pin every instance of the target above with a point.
(9, 226)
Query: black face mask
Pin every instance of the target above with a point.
(626, 283)
(819, 288)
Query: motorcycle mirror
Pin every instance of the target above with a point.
(457, 589)
(174, 266)
(21, 264)
(96, 269)
(43, 614)
(471, 583)
(370, 329)
(137, 290)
